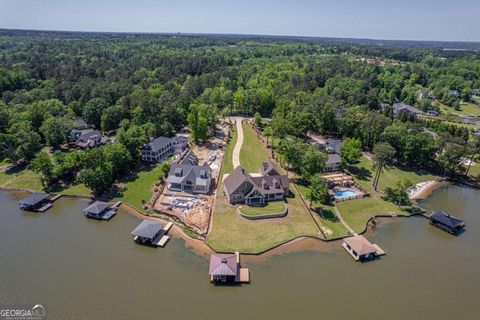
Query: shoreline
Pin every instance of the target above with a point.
(298, 244)
(425, 189)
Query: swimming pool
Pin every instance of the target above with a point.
(345, 193)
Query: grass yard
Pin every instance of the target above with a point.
(364, 173)
(468, 110)
(76, 190)
(252, 153)
(357, 212)
(326, 217)
(137, 188)
(271, 208)
(24, 179)
(232, 233)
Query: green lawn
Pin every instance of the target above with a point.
(468, 110)
(325, 216)
(357, 212)
(227, 160)
(364, 172)
(271, 208)
(252, 153)
(232, 233)
(76, 190)
(24, 179)
(137, 188)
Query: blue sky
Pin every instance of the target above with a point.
(457, 20)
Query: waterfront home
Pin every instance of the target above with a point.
(37, 201)
(241, 187)
(333, 163)
(225, 268)
(189, 178)
(99, 210)
(190, 159)
(398, 108)
(330, 145)
(162, 147)
(87, 138)
(148, 232)
(453, 93)
(361, 249)
(446, 222)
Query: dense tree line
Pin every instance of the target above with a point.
(142, 86)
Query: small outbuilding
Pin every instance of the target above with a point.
(361, 249)
(446, 222)
(225, 268)
(37, 201)
(148, 232)
(99, 210)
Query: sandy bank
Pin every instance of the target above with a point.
(422, 190)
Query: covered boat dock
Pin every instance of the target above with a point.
(361, 249)
(37, 202)
(151, 233)
(226, 269)
(99, 210)
(446, 222)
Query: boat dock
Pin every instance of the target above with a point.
(116, 205)
(45, 207)
(163, 240)
(100, 210)
(37, 202)
(163, 235)
(55, 197)
(225, 269)
(361, 249)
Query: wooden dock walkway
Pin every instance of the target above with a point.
(380, 251)
(45, 207)
(116, 205)
(163, 240)
(55, 198)
(167, 227)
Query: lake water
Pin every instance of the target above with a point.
(85, 269)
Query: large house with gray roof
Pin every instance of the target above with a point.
(242, 187)
(398, 108)
(189, 178)
(87, 138)
(160, 148)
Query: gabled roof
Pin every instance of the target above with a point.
(360, 245)
(97, 207)
(190, 159)
(235, 179)
(33, 199)
(333, 159)
(223, 265)
(397, 107)
(88, 134)
(446, 219)
(158, 143)
(191, 172)
(267, 168)
(147, 229)
(282, 180)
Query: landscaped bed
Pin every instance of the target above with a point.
(271, 209)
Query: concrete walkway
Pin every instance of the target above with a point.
(238, 145)
(339, 216)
